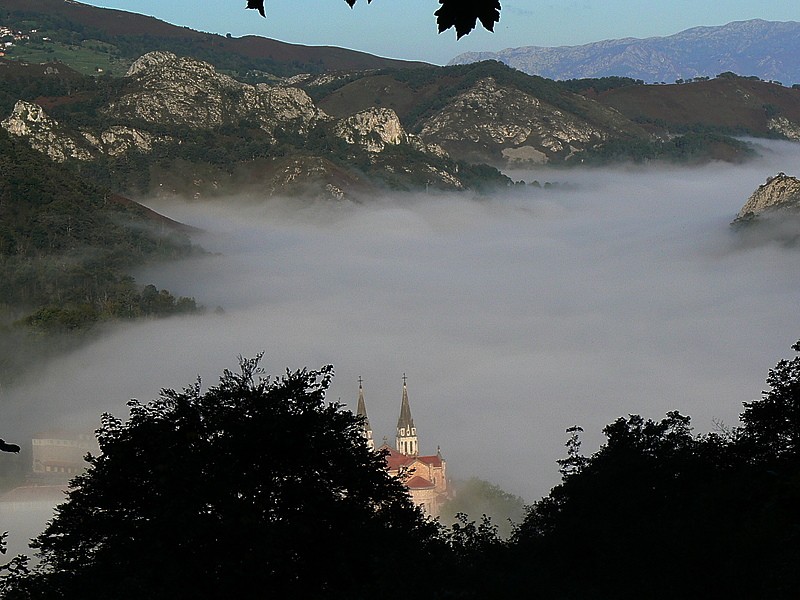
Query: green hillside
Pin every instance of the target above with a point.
(727, 104)
(66, 248)
(86, 37)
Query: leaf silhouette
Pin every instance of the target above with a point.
(257, 5)
(461, 14)
(464, 14)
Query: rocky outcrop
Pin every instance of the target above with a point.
(119, 139)
(372, 129)
(779, 193)
(508, 124)
(784, 127)
(261, 140)
(44, 134)
(60, 143)
(165, 88)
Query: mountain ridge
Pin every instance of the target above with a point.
(130, 30)
(766, 49)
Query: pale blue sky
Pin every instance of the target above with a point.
(407, 28)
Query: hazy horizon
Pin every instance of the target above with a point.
(514, 316)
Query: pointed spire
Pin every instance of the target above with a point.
(407, 442)
(405, 419)
(361, 411)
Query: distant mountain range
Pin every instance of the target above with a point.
(766, 49)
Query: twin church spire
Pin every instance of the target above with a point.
(361, 411)
(406, 441)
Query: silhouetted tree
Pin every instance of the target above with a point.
(772, 424)
(659, 512)
(255, 484)
(461, 14)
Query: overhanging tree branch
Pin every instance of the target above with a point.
(461, 14)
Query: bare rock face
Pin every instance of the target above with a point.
(780, 192)
(785, 127)
(181, 90)
(509, 124)
(373, 129)
(44, 134)
(119, 139)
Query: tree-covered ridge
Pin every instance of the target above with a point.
(689, 148)
(438, 86)
(66, 246)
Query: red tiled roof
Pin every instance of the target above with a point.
(418, 483)
(434, 460)
(396, 460)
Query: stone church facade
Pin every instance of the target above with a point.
(425, 475)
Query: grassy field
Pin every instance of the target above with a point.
(92, 57)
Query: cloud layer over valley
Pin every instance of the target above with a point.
(514, 317)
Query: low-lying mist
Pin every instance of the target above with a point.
(514, 317)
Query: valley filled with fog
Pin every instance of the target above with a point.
(513, 316)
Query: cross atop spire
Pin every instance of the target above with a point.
(406, 431)
(361, 411)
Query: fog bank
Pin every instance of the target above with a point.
(514, 317)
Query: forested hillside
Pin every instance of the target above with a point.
(66, 247)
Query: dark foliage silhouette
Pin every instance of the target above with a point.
(255, 484)
(659, 512)
(463, 15)
(259, 484)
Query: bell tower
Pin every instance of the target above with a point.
(361, 411)
(406, 440)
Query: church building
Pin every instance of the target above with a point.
(425, 475)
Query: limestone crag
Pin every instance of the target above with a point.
(118, 139)
(278, 141)
(502, 121)
(166, 88)
(373, 129)
(45, 134)
(786, 128)
(309, 80)
(779, 193)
